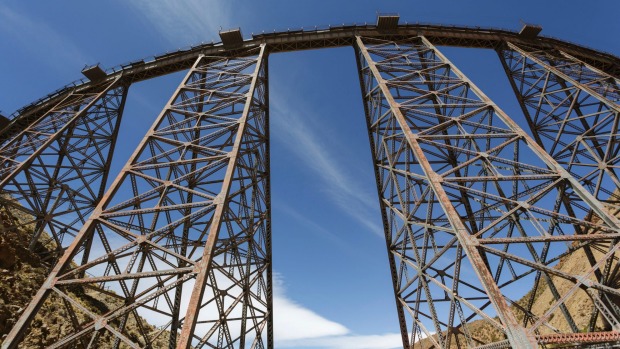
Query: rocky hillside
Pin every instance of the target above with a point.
(578, 304)
(22, 272)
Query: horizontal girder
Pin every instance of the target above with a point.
(296, 40)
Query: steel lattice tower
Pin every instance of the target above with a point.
(479, 213)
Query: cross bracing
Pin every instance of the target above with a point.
(476, 208)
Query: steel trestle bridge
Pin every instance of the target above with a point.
(480, 213)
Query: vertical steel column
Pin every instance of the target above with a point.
(378, 159)
(474, 206)
(55, 170)
(573, 111)
(267, 193)
(189, 211)
(238, 214)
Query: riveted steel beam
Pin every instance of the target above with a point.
(55, 171)
(516, 334)
(201, 165)
(457, 175)
(203, 268)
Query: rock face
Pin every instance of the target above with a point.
(22, 272)
(579, 304)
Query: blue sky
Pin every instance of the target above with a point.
(333, 287)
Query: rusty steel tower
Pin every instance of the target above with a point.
(481, 214)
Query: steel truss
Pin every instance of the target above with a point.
(182, 238)
(478, 215)
(473, 207)
(54, 172)
(573, 112)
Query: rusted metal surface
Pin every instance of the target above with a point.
(476, 211)
(55, 171)
(580, 338)
(333, 36)
(379, 182)
(231, 38)
(387, 22)
(94, 73)
(188, 211)
(488, 183)
(401, 59)
(573, 110)
(530, 31)
(204, 268)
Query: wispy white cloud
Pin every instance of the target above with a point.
(41, 40)
(380, 341)
(295, 325)
(307, 142)
(294, 322)
(299, 327)
(186, 22)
